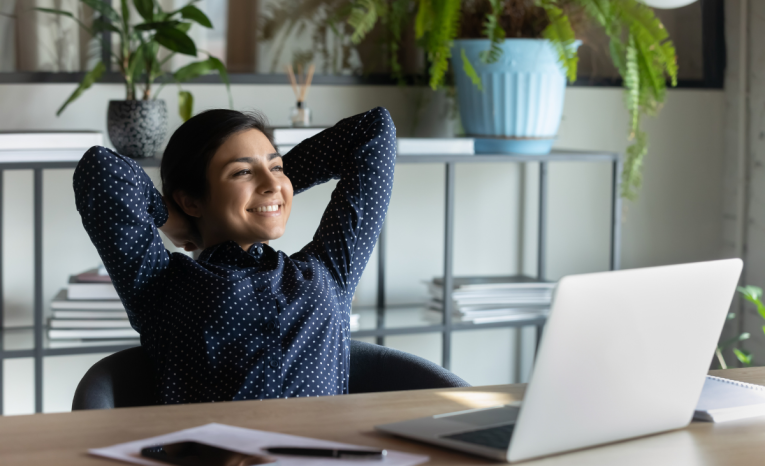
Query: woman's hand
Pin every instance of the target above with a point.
(179, 230)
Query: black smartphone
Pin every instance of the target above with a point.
(200, 454)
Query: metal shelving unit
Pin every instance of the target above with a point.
(39, 351)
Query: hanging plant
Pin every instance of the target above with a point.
(639, 46)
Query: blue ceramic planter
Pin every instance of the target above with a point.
(520, 107)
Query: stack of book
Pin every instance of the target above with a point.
(47, 146)
(491, 299)
(287, 138)
(89, 312)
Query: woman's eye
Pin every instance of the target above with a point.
(278, 168)
(242, 172)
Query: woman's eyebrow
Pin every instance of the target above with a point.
(270, 156)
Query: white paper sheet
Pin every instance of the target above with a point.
(250, 441)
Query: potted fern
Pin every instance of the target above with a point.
(511, 60)
(137, 126)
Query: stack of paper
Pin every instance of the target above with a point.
(491, 299)
(251, 442)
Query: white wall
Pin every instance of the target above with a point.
(675, 220)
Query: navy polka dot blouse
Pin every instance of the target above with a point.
(235, 324)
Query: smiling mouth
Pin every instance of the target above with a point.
(267, 209)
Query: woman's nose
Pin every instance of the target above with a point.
(268, 183)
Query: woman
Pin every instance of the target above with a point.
(243, 321)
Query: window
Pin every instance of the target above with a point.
(258, 38)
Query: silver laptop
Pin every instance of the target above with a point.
(623, 354)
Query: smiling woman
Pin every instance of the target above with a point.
(243, 321)
(219, 171)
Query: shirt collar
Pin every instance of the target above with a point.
(230, 253)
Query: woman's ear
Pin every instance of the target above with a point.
(188, 204)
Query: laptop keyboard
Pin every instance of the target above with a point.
(493, 437)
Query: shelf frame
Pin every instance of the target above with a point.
(446, 328)
(450, 161)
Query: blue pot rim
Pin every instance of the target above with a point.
(577, 43)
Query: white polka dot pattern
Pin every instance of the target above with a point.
(237, 325)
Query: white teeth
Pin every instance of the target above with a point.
(269, 208)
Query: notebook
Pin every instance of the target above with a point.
(728, 400)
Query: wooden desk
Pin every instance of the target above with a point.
(62, 439)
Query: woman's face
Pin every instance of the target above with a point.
(249, 197)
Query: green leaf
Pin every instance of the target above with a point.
(493, 32)
(183, 27)
(193, 70)
(136, 64)
(470, 71)
(751, 293)
(176, 40)
(105, 9)
(125, 6)
(152, 25)
(561, 36)
(439, 40)
(91, 77)
(145, 8)
(423, 22)
(362, 19)
(185, 105)
(218, 65)
(100, 25)
(193, 13)
(632, 174)
(744, 356)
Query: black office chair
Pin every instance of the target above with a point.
(125, 378)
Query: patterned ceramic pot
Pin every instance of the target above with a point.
(137, 128)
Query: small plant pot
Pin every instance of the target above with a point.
(137, 128)
(520, 107)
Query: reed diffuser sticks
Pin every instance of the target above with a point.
(300, 115)
(300, 89)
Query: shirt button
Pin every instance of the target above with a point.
(260, 249)
(274, 363)
(271, 325)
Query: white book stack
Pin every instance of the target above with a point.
(491, 299)
(287, 138)
(89, 312)
(47, 146)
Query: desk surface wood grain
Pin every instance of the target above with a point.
(62, 439)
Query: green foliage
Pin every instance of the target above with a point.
(638, 43)
(363, 17)
(753, 294)
(561, 35)
(470, 71)
(440, 27)
(185, 105)
(91, 77)
(137, 59)
(494, 33)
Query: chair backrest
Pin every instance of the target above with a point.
(126, 378)
(122, 380)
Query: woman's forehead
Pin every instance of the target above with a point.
(250, 143)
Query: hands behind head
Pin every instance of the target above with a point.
(179, 230)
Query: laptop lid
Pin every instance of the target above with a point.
(623, 354)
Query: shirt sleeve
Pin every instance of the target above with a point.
(121, 211)
(361, 152)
